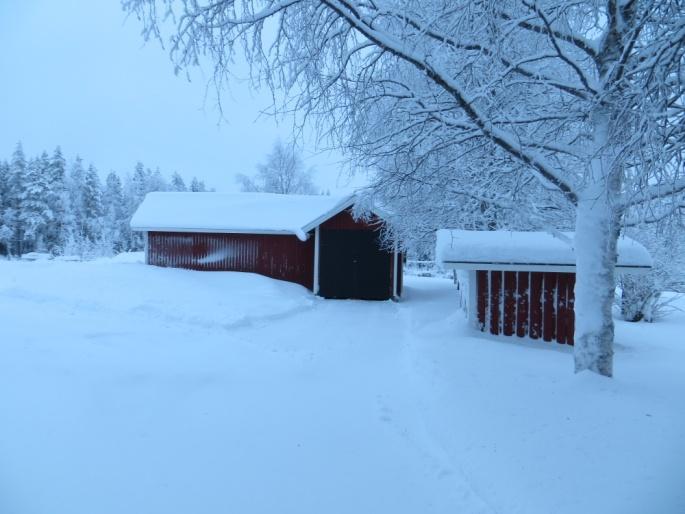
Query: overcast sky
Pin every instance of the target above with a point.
(77, 73)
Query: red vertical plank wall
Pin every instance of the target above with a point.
(549, 307)
(535, 330)
(509, 303)
(495, 301)
(562, 290)
(522, 304)
(482, 292)
(532, 304)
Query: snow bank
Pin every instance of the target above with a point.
(236, 212)
(127, 388)
(532, 436)
(36, 256)
(128, 257)
(123, 286)
(472, 249)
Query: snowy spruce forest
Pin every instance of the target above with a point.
(50, 205)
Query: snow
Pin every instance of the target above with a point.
(215, 257)
(36, 256)
(130, 257)
(252, 213)
(123, 287)
(131, 388)
(473, 249)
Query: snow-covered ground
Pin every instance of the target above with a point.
(130, 389)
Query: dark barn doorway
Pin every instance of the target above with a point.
(353, 265)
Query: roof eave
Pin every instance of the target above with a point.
(533, 266)
(346, 203)
(204, 230)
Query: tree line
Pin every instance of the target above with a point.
(64, 208)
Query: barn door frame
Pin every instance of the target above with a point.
(395, 273)
(146, 238)
(317, 241)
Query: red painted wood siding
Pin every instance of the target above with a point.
(522, 311)
(509, 322)
(482, 293)
(281, 257)
(549, 307)
(535, 308)
(533, 304)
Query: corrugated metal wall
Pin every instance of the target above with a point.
(528, 304)
(282, 257)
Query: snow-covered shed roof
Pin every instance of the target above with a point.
(247, 213)
(525, 251)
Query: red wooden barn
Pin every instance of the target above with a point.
(522, 283)
(314, 241)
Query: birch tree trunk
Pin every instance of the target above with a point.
(596, 237)
(595, 241)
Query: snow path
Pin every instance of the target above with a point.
(110, 405)
(132, 389)
(533, 437)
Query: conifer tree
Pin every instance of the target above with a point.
(35, 213)
(116, 229)
(136, 192)
(44, 208)
(197, 186)
(155, 181)
(92, 205)
(17, 173)
(138, 185)
(75, 185)
(5, 231)
(4, 183)
(57, 200)
(177, 183)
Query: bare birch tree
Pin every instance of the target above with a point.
(583, 96)
(282, 172)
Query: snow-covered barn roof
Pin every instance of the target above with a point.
(525, 251)
(248, 213)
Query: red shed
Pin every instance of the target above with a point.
(311, 240)
(522, 283)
